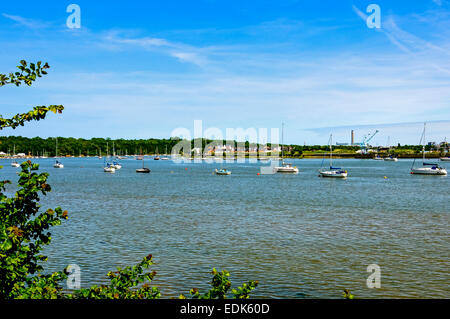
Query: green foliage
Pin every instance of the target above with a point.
(127, 283)
(38, 113)
(347, 294)
(23, 230)
(27, 75)
(221, 285)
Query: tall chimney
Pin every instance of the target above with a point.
(353, 137)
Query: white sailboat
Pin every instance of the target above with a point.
(428, 168)
(116, 165)
(222, 171)
(165, 158)
(285, 167)
(390, 157)
(378, 158)
(335, 172)
(14, 163)
(108, 168)
(57, 164)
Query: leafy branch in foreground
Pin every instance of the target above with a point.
(221, 284)
(347, 295)
(126, 283)
(23, 230)
(27, 75)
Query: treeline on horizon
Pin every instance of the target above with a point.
(38, 146)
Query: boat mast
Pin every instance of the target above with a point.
(331, 151)
(423, 147)
(282, 140)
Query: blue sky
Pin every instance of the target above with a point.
(144, 68)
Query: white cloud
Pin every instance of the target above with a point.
(29, 23)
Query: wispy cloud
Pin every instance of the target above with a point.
(29, 23)
(180, 51)
(410, 43)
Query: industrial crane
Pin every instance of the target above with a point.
(365, 142)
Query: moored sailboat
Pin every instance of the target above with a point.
(336, 172)
(390, 157)
(428, 168)
(222, 171)
(285, 167)
(14, 162)
(57, 164)
(143, 169)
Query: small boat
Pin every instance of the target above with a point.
(116, 165)
(285, 167)
(428, 168)
(445, 159)
(109, 168)
(139, 158)
(58, 164)
(222, 171)
(335, 172)
(165, 158)
(390, 157)
(156, 158)
(143, 169)
(14, 163)
(378, 158)
(434, 169)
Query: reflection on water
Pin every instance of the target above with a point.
(300, 235)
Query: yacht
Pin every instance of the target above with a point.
(57, 164)
(428, 168)
(336, 172)
(285, 167)
(143, 169)
(222, 171)
(116, 165)
(391, 158)
(14, 163)
(109, 168)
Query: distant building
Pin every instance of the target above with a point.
(341, 144)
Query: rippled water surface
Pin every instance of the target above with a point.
(300, 235)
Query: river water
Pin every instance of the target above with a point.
(300, 236)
